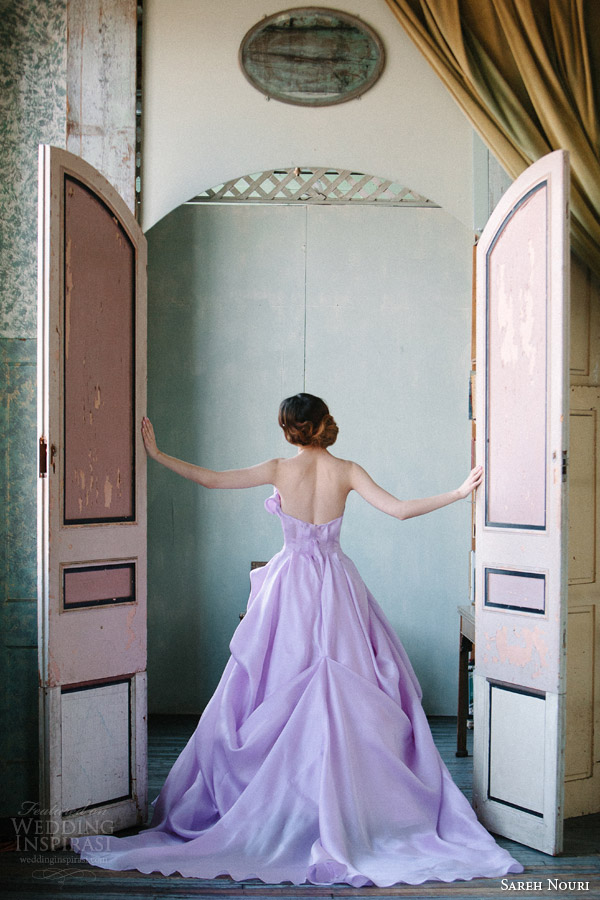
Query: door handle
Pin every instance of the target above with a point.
(43, 458)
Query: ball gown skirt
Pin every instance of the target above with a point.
(314, 760)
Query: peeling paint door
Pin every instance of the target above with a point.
(521, 516)
(91, 503)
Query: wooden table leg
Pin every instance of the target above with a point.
(463, 695)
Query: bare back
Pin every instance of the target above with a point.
(313, 485)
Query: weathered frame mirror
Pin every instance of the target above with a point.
(311, 56)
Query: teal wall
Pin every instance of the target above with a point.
(369, 308)
(225, 343)
(32, 109)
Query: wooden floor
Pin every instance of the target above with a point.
(30, 874)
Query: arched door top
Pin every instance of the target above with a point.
(315, 185)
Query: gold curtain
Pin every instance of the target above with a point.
(527, 75)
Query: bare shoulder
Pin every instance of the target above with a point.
(343, 469)
(355, 470)
(333, 467)
(284, 462)
(359, 479)
(337, 460)
(274, 467)
(271, 464)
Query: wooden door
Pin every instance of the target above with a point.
(582, 761)
(521, 519)
(582, 757)
(91, 503)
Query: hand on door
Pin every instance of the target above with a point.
(472, 482)
(149, 438)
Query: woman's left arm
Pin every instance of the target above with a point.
(363, 484)
(253, 476)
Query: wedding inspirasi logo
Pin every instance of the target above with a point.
(41, 830)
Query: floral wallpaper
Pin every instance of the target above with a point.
(33, 63)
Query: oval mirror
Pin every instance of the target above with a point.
(311, 56)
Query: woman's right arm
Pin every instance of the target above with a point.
(363, 484)
(253, 476)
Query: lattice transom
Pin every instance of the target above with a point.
(312, 185)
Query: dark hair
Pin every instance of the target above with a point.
(306, 421)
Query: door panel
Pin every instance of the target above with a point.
(511, 774)
(520, 578)
(99, 361)
(91, 502)
(582, 764)
(104, 712)
(515, 462)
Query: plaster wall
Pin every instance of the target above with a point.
(41, 76)
(369, 308)
(205, 124)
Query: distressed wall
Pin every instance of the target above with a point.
(33, 60)
(39, 77)
(369, 308)
(32, 109)
(101, 77)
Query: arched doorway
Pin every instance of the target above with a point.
(343, 284)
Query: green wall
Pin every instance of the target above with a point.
(225, 343)
(369, 307)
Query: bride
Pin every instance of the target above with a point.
(314, 760)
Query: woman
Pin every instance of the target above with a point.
(313, 761)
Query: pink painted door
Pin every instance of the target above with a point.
(91, 503)
(521, 517)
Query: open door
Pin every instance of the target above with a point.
(521, 515)
(91, 503)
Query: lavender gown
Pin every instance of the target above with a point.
(314, 760)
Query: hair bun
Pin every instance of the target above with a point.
(306, 421)
(326, 433)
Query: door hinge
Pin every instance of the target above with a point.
(43, 468)
(565, 465)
